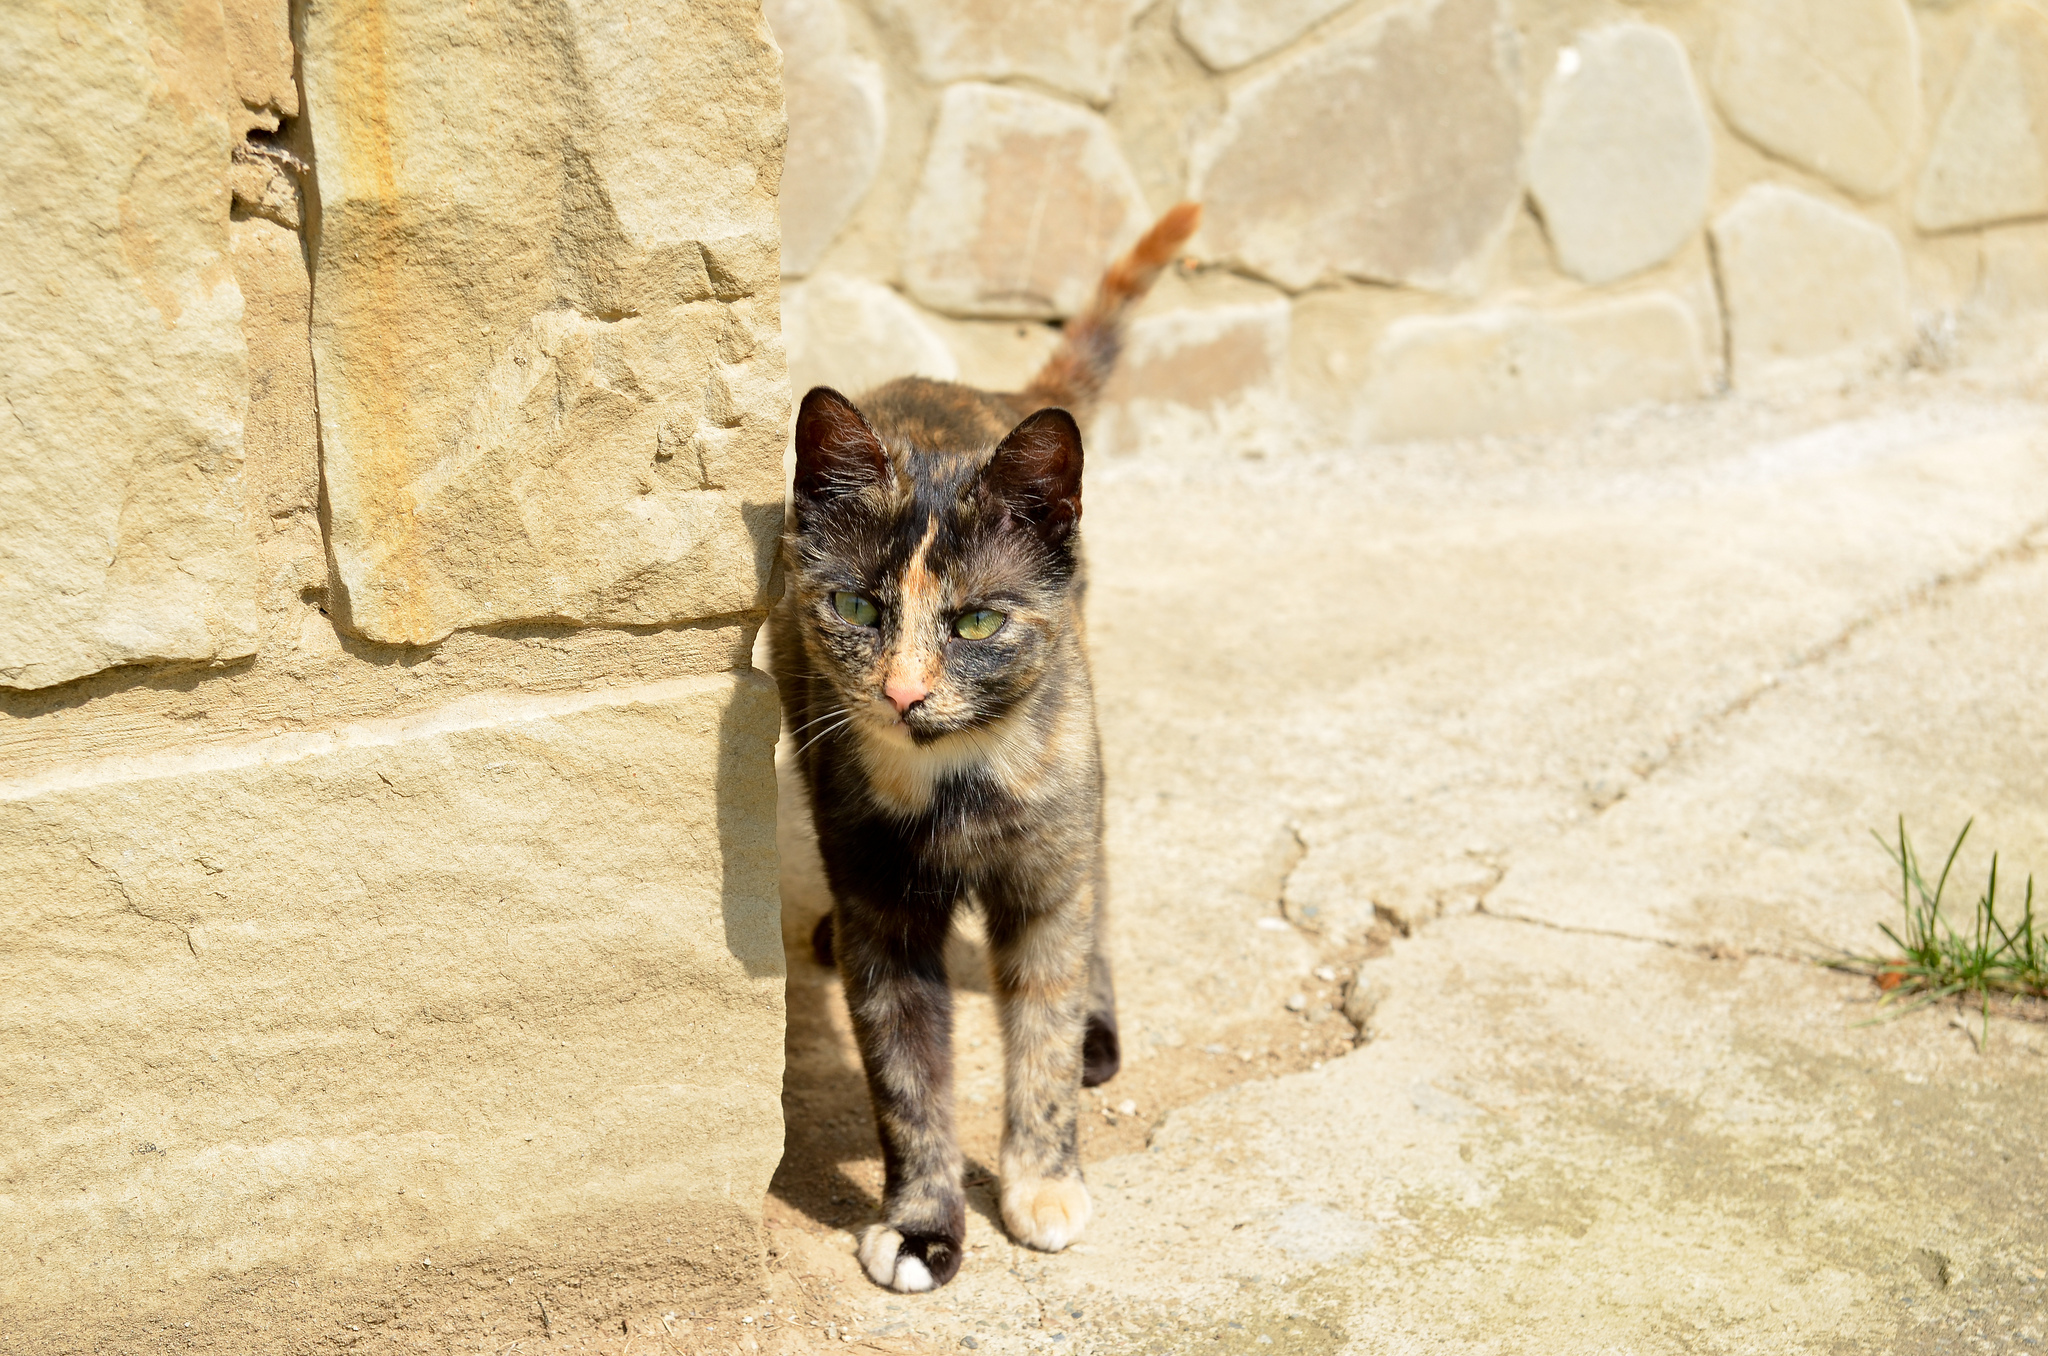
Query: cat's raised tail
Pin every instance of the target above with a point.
(1076, 372)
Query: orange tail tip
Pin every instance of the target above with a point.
(1076, 372)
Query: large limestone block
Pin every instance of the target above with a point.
(852, 334)
(1390, 154)
(1204, 377)
(1810, 289)
(499, 983)
(1071, 45)
(1226, 34)
(122, 533)
(1831, 85)
(1023, 201)
(838, 120)
(1621, 156)
(1513, 369)
(1990, 156)
(550, 376)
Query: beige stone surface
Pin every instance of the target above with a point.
(1811, 291)
(441, 1012)
(2013, 283)
(1227, 34)
(1512, 368)
(851, 334)
(1196, 378)
(838, 122)
(1831, 85)
(122, 533)
(1620, 157)
(1391, 153)
(1022, 201)
(1989, 161)
(1076, 46)
(551, 381)
(1571, 1130)
(260, 58)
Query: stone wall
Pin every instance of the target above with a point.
(1430, 217)
(396, 401)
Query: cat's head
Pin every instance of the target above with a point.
(933, 587)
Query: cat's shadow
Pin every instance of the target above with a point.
(831, 1159)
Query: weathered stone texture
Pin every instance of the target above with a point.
(550, 377)
(1989, 162)
(1809, 289)
(1217, 374)
(1022, 202)
(1390, 154)
(122, 533)
(1514, 368)
(1621, 157)
(1072, 45)
(2013, 283)
(416, 988)
(1226, 34)
(838, 121)
(852, 334)
(259, 54)
(1831, 85)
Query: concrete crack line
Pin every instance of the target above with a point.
(1709, 950)
(2020, 549)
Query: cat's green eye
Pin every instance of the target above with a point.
(855, 608)
(979, 624)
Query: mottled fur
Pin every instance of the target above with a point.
(944, 770)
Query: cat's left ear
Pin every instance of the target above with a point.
(1036, 474)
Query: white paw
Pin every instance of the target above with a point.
(881, 1257)
(1046, 1213)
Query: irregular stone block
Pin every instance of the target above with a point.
(1390, 154)
(1512, 369)
(1022, 203)
(550, 378)
(1212, 376)
(1071, 45)
(2013, 281)
(260, 58)
(838, 120)
(1831, 85)
(1990, 159)
(282, 430)
(852, 334)
(1621, 156)
(122, 532)
(1810, 290)
(459, 987)
(1226, 34)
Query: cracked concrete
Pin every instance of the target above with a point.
(1558, 756)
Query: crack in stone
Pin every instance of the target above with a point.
(1717, 951)
(2020, 549)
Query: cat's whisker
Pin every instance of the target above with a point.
(845, 720)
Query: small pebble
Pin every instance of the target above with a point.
(1127, 1107)
(1296, 1002)
(1326, 973)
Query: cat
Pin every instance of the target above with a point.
(929, 652)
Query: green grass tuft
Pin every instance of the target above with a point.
(1941, 957)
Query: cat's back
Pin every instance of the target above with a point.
(925, 415)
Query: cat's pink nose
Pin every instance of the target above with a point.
(904, 693)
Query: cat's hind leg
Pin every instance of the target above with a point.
(1101, 1050)
(894, 970)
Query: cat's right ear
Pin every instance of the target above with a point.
(836, 450)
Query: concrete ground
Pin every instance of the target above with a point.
(1566, 749)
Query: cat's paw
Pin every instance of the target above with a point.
(1101, 1052)
(1046, 1213)
(908, 1261)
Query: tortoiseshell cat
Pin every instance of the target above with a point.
(929, 652)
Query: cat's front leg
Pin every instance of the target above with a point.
(893, 965)
(1039, 959)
